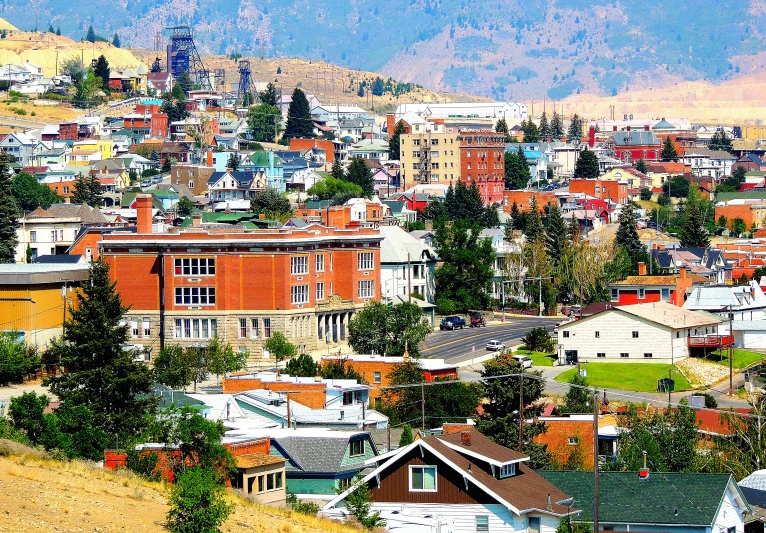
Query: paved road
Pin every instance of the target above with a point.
(457, 346)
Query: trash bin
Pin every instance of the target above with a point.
(661, 385)
(671, 385)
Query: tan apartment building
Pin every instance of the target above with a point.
(438, 152)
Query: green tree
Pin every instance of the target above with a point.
(545, 128)
(233, 161)
(331, 187)
(533, 225)
(744, 451)
(70, 431)
(738, 226)
(379, 329)
(272, 204)
(222, 359)
(174, 105)
(359, 504)
(464, 203)
(579, 397)
(641, 166)
(567, 526)
(299, 122)
(302, 366)
(377, 87)
(102, 71)
(9, 213)
(340, 369)
(88, 90)
(574, 134)
(337, 171)
(677, 187)
(557, 126)
(395, 142)
(197, 503)
(556, 234)
(531, 133)
(587, 165)
(265, 122)
(500, 417)
(627, 238)
(16, 359)
(26, 413)
(502, 127)
(167, 165)
(722, 222)
(407, 437)
(185, 207)
(269, 95)
(279, 347)
(360, 174)
(645, 193)
(90, 36)
(517, 173)
(116, 41)
(172, 367)
(720, 141)
(464, 279)
(694, 234)
(88, 190)
(73, 68)
(184, 82)
(669, 152)
(538, 340)
(99, 373)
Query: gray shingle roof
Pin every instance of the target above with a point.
(316, 454)
(633, 138)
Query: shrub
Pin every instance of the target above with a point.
(538, 340)
(197, 503)
(301, 507)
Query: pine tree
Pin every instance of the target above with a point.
(269, 95)
(531, 133)
(50, 29)
(587, 165)
(641, 166)
(91, 35)
(337, 171)
(694, 234)
(574, 134)
(502, 127)
(233, 161)
(395, 142)
(627, 238)
(299, 122)
(80, 195)
(406, 437)
(99, 373)
(95, 192)
(545, 128)
(557, 126)
(360, 174)
(102, 71)
(669, 152)
(58, 31)
(9, 213)
(116, 41)
(534, 230)
(556, 234)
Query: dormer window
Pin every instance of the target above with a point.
(508, 470)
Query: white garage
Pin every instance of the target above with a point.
(749, 334)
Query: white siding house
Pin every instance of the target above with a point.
(651, 332)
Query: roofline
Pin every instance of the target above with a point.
(171, 243)
(628, 313)
(479, 456)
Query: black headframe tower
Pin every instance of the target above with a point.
(183, 57)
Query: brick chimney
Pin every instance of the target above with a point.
(646, 127)
(390, 124)
(465, 438)
(196, 220)
(591, 136)
(144, 213)
(682, 272)
(642, 269)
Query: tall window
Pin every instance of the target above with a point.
(366, 261)
(267, 327)
(147, 328)
(299, 265)
(33, 236)
(242, 328)
(195, 328)
(134, 327)
(194, 266)
(299, 294)
(423, 478)
(357, 447)
(254, 331)
(195, 295)
(320, 291)
(319, 263)
(367, 288)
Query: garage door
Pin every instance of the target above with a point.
(755, 339)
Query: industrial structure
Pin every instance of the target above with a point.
(184, 57)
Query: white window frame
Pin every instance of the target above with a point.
(320, 291)
(146, 327)
(319, 263)
(254, 329)
(134, 327)
(423, 467)
(366, 288)
(299, 294)
(299, 265)
(194, 296)
(366, 261)
(194, 266)
(508, 470)
(242, 330)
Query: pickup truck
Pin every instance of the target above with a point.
(452, 323)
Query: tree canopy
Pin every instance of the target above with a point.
(587, 165)
(272, 204)
(383, 330)
(9, 213)
(669, 152)
(517, 173)
(627, 238)
(31, 194)
(360, 174)
(299, 122)
(331, 187)
(265, 122)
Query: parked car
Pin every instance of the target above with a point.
(452, 323)
(477, 320)
(495, 346)
(157, 179)
(146, 183)
(523, 360)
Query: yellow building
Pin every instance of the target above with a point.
(32, 298)
(442, 157)
(631, 176)
(106, 148)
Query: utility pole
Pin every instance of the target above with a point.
(731, 353)
(64, 295)
(409, 281)
(288, 410)
(423, 407)
(595, 456)
(521, 411)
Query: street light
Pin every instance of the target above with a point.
(731, 353)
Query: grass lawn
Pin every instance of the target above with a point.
(742, 358)
(648, 204)
(637, 377)
(538, 358)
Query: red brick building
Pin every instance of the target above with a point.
(190, 285)
(616, 191)
(148, 120)
(482, 160)
(642, 289)
(523, 200)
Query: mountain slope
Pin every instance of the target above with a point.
(514, 49)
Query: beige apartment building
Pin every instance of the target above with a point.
(438, 152)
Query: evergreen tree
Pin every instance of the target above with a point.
(574, 134)
(531, 133)
(627, 238)
(233, 161)
(587, 165)
(545, 128)
(669, 152)
(95, 191)
(299, 122)
(360, 174)
(50, 29)
(641, 166)
(556, 234)
(516, 170)
(269, 95)
(337, 171)
(720, 141)
(116, 41)
(395, 142)
(693, 234)
(406, 437)
(265, 122)
(102, 71)
(81, 193)
(91, 35)
(534, 230)
(58, 31)
(100, 374)
(557, 126)
(502, 127)
(578, 398)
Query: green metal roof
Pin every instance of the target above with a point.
(260, 158)
(667, 498)
(744, 195)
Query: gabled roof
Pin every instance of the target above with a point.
(243, 179)
(398, 247)
(319, 454)
(635, 138)
(664, 280)
(86, 213)
(676, 499)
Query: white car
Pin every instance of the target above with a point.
(495, 346)
(523, 360)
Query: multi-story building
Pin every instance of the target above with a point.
(604, 189)
(482, 160)
(189, 286)
(705, 162)
(429, 157)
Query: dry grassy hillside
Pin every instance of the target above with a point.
(40, 494)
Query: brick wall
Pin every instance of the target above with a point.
(524, 199)
(557, 438)
(252, 446)
(312, 394)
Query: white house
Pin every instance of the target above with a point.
(640, 333)
(706, 162)
(336, 113)
(20, 145)
(407, 266)
(458, 482)
(493, 110)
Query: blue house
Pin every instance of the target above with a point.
(269, 165)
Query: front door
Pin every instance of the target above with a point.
(571, 356)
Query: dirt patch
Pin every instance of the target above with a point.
(700, 372)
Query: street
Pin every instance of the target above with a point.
(458, 346)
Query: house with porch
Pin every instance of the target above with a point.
(671, 288)
(234, 185)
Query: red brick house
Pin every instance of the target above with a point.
(482, 160)
(672, 288)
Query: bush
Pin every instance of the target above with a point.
(301, 507)
(710, 402)
(144, 464)
(197, 503)
(538, 340)
(646, 194)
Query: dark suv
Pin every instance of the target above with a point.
(452, 322)
(477, 320)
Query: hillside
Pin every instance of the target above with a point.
(507, 50)
(40, 494)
